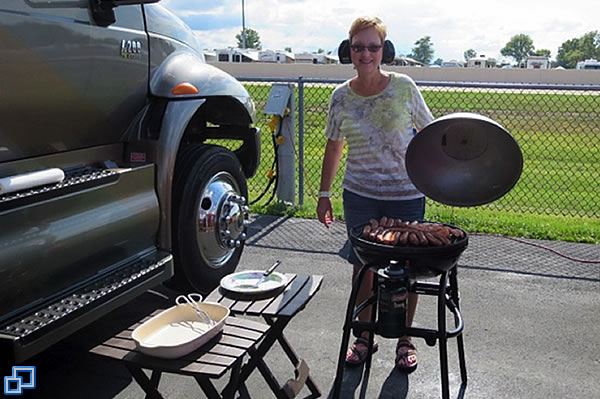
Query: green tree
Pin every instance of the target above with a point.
(542, 52)
(252, 39)
(320, 51)
(288, 49)
(423, 50)
(590, 44)
(569, 54)
(438, 61)
(470, 53)
(579, 49)
(518, 47)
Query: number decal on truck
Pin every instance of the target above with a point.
(131, 49)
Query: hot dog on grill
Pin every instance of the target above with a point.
(392, 231)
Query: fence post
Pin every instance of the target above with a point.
(300, 141)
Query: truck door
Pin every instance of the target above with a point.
(67, 82)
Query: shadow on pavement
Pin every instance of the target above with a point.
(394, 387)
(68, 370)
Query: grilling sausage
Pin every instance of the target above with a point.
(366, 231)
(388, 236)
(392, 231)
(422, 239)
(397, 235)
(433, 239)
(457, 232)
(383, 221)
(403, 240)
(374, 232)
(445, 240)
(413, 239)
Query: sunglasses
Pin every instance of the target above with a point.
(358, 48)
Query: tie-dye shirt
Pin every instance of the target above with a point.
(377, 130)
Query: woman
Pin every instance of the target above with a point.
(376, 112)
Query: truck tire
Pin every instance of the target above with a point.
(209, 215)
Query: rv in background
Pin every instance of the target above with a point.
(588, 64)
(481, 61)
(535, 62)
(453, 64)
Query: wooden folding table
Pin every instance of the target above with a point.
(277, 312)
(211, 361)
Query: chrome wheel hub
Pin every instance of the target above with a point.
(222, 217)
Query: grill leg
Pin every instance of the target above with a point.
(367, 372)
(459, 339)
(443, 339)
(447, 291)
(347, 329)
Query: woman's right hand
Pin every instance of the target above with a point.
(325, 211)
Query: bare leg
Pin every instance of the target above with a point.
(358, 350)
(406, 354)
(412, 308)
(365, 291)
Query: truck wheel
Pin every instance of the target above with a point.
(209, 215)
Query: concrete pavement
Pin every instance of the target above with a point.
(531, 324)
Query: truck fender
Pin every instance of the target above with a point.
(186, 67)
(176, 118)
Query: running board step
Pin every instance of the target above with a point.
(75, 180)
(54, 321)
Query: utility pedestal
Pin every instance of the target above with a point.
(281, 103)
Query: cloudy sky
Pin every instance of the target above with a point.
(453, 25)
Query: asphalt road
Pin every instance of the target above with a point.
(531, 325)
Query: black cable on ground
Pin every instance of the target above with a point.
(592, 261)
(275, 145)
(267, 187)
(276, 185)
(274, 166)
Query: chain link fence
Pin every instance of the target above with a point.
(556, 126)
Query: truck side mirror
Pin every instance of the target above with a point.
(103, 13)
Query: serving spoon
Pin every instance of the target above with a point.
(267, 273)
(262, 278)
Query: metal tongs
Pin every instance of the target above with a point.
(190, 299)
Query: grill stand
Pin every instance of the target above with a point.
(448, 297)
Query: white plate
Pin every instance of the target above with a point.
(178, 330)
(245, 282)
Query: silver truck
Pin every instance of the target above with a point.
(113, 99)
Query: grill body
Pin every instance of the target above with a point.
(418, 262)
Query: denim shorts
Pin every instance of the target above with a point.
(358, 210)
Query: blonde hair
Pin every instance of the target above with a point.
(362, 23)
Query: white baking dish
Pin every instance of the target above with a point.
(179, 330)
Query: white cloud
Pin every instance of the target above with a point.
(454, 26)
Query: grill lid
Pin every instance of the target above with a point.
(464, 159)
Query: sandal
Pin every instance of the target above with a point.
(358, 352)
(406, 356)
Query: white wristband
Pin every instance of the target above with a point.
(324, 194)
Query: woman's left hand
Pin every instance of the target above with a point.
(325, 211)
